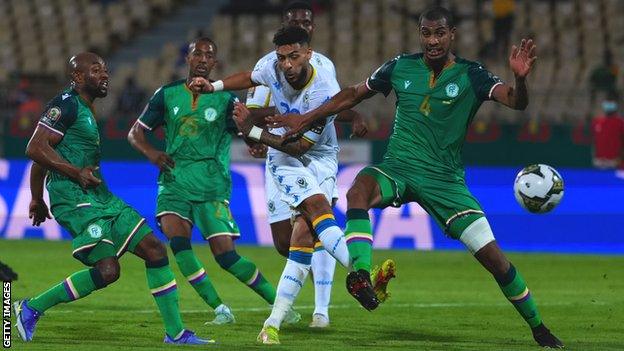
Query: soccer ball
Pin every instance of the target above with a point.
(538, 188)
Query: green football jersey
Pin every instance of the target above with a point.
(432, 116)
(70, 116)
(198, 134)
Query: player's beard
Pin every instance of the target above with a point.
(96, 90)
(300, 79)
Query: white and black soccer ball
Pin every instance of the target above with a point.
(538, 188)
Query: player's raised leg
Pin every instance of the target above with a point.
(292, 280)
(318, 211)
(162, 284)
(178, 230)
(477, 236)
(365, 193)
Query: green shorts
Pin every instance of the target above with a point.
(213, 218)
(449, 202)
(102, 229)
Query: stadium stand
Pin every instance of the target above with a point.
(357, 34)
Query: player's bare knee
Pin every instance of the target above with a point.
(151, 249)
(109, 269)
(357, 197)
(315, 206)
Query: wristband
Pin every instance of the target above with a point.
(255, 133)
(217, 85)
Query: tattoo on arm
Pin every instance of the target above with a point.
(294, 149)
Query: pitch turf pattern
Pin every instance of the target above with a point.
(440, 301)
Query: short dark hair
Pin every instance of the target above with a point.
(204, 40)
(291, 35)
(297, 5)
(437, 13)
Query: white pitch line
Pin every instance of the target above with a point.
(342, 306)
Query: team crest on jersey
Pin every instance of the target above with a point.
(210, 114)
(53, 115)
(306, 101)
(95, 231)
(271, 206)
(302, 182)
(452, 90)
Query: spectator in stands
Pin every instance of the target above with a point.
(29, 108)
(603, 78)
(130, 100)
(503, 26)
(608, 136)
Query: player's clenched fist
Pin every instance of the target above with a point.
(200, 85)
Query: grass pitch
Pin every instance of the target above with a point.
(440, 301)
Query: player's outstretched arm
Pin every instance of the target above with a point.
(345, 99)
(136, 138)
(521, 62)
(237, 81)
(39, 149)
(241, 116)
(37, 210)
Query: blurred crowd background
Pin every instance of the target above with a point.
(574, 90)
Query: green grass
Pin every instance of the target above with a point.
(440, 301)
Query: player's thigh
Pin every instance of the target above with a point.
(174, 215)
(214, 219)
(277, 209)
(150, 249)
(450, 203)
(91, 231)
(296, 185)
(129, 228)
(379, 186)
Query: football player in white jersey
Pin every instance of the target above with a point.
(299, 13)
(304, 171)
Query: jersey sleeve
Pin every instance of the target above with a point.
(153, 114)
(60, 114)
(230, 125)
(262, 72)
(483, 81)
(381, 80)
(259, 97)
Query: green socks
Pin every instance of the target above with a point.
(359, 234)
(162, 285)
(194, 271)
(246, 271)
(515, 289)
(76, 286)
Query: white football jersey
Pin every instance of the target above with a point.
(260, 96)
(321, 87)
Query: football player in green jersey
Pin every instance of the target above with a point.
(438, 95)
(194, 186)
(66, 146)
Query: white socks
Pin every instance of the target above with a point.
(290, 284)
(323, 266)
